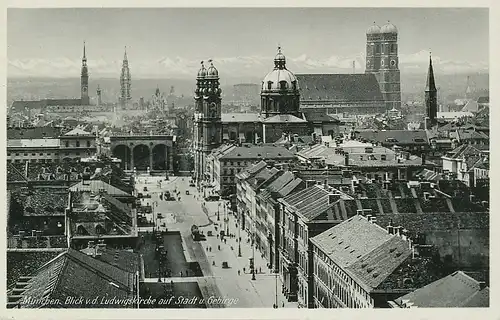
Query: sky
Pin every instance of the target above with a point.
(171, 42)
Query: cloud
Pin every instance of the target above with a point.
(230, 67)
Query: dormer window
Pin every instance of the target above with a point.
(283, 85)
(66, 144)
(294, 85)
(269, 85)
(77, 144)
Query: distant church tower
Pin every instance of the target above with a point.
(84, 80)
(125, 81)
(431, 106)
(207, 117)
(99, 98)
(382, 60)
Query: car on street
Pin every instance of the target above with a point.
(212, 198)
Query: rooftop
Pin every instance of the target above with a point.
(258, 152)
(339, 88)
(363, 249)
(456, 290)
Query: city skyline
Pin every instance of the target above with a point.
(243, 44)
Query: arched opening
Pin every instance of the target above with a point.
(160, 157)
(80, 230)
(141, 157)
(123, 153)
(99, 229)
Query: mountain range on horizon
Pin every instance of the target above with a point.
(249, 67)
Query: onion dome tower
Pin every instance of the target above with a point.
(389, 77)
(280, 90)
(207, 118)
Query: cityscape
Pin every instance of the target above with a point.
(265, 180)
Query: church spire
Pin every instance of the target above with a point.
(125, 55)
(431, 83)
(84, 55)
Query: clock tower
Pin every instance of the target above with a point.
(207, 117)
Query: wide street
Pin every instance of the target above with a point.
(240, 289)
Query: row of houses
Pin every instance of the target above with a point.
(364, 245)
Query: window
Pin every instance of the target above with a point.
(77, 144)
(17, 154)
(66, 143)
(383, 157)
(25, 154)
(33, 154)
(41, 153)
(269, 85)
(88, 144)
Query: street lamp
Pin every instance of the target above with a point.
(218, 212)
(253, 251)
(239, 243)
(226, 219)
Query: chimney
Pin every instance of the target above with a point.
(423, 159)
(482, 285)
(346, 158)
(390, 229)
(333, 197)
(325, 183)
(310, 183)
(369, 217)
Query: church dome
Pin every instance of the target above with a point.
(212, 71)
(280, 78)
(374, 29)
(389, 28)
(202, 72)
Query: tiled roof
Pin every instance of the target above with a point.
(290, 187)
(258, 152)
(453, 291)
(363, 249)
(262, 178)
(33, 133)
(339, 87)
(96, 186)
(251, 170)
(394, 136)
(240, 117)
(46, 202)
(484, 99)
(33, 143)
(429, 175)
(284, 118)
(310, 203)
(464, 134)
(443, 221)
(75, 274)
(78, 132)
(33, 104)
(320, 117)
(463, 150)
(14, 174)
(125, 260)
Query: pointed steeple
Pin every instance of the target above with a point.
(84, 55)
(431, 83)
(125, 54)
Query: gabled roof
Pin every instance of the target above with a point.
(125, 260)
(363, 249)
(290, 187)
(484, 99)
(96, 186)
(13, 174)
(320, 117)
(284, 118)
(309, 203)
(251, 171)
(339, 88)
(74, 274)
(453, 291)
(462, 151)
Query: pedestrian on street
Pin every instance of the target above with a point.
(260, 270)
(225, 241)
(283, 304)
(238, 272)
(181, 274)
(219, 247)
(243, 269)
